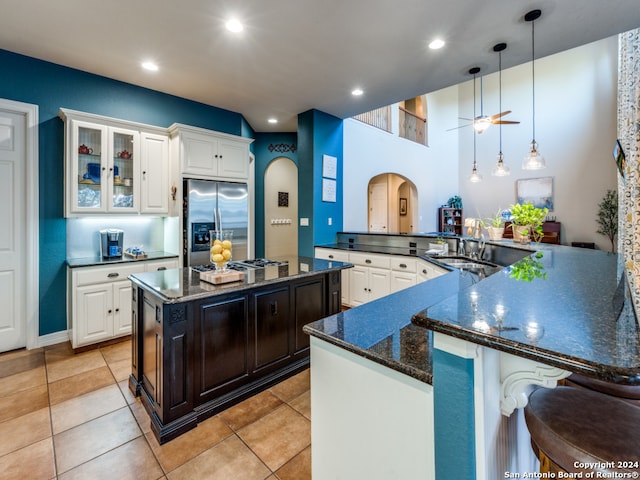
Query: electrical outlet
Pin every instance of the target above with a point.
(330, 221)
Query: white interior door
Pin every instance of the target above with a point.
(378, 207)
(13, 268)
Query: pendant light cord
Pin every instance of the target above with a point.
(500, 95)
(474, 116)
(533, 77)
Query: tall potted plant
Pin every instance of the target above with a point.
(527, 222)
(608, 217)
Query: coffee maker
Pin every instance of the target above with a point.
(111, 243)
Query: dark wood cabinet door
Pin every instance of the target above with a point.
(222, 352)
(272, 326)
(310, 299)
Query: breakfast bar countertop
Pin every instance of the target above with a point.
(561, 306)
(566, 307)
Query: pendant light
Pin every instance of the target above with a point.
(475, 177)
(500, 170)
(533, 161)
(481, 123)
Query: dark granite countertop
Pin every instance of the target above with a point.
(97, 260)
(382, 331)
(569, 308)
(184, 284)
(587, 319)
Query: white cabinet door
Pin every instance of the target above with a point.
(87, 154)
(379, 283)
(402, 280)
(93, 320)
(233, 159)
(154, 173)
(339, 256)
(121, 308)
(427, 271)
(199, 154)
(123, 171)
(358, 286)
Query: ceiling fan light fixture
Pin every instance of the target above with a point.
(500, 170)
(480, 124)
(475, 177)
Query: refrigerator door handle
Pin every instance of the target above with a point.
(218, 218)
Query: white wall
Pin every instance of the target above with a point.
(576, 109)
(369, 151)
(280, 238)
(576, 106)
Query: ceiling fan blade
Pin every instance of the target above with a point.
(467, 119)
(461, 126)
(498, 115)
(504, 122)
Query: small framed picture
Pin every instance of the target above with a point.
(403, 206)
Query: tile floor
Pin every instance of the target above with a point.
(71, 416)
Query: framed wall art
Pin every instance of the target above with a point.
(403, 206)
(538, 191)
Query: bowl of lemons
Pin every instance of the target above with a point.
(221, 244)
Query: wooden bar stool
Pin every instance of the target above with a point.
(575, 430)
(629, 393)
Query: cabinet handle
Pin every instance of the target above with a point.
(369, 290)
(274, 308)
(367, 261)
(117, 310)
(144, 172)
(331, 257)
(161, 268)
(424, 271)
(113, 275)
(402, 265)
(109, 312)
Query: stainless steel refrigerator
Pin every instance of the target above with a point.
(211, 205)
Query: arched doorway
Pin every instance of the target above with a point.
(393, 204)
(281, 208)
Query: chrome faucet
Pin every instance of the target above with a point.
(461, 250)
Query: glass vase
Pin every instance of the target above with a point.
(220, 247)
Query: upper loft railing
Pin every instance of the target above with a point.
(412, 127)
(380, 118)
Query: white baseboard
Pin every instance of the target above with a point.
(53, 338)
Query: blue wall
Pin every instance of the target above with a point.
(318, 134)
(267, 147)
(52, 86)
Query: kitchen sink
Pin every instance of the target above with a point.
(483, 269)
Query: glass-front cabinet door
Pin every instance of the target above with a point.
(105, 169)
(122, 171)
(89, 176)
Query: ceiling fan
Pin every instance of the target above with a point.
(482, 121)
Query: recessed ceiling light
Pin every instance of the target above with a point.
(273, 120)
(152, 67)
(436, 44)
(356, 92)
(234, 26)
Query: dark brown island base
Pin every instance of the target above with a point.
(199, 348)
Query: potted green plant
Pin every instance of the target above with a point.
(527, 222)
(494, 225)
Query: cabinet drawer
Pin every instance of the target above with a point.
(403, 264)
(369, 260)
(155, 265)
(102, 274)
(332, 254)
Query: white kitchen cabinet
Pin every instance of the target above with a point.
(164, 264)
(403, 273)
(99, 299)
(206, 154)
(338, 256)
(113, 166)
(428, 271)
(154, 173)
(370, 278)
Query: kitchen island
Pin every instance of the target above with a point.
(199, 348)
(431, 381)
